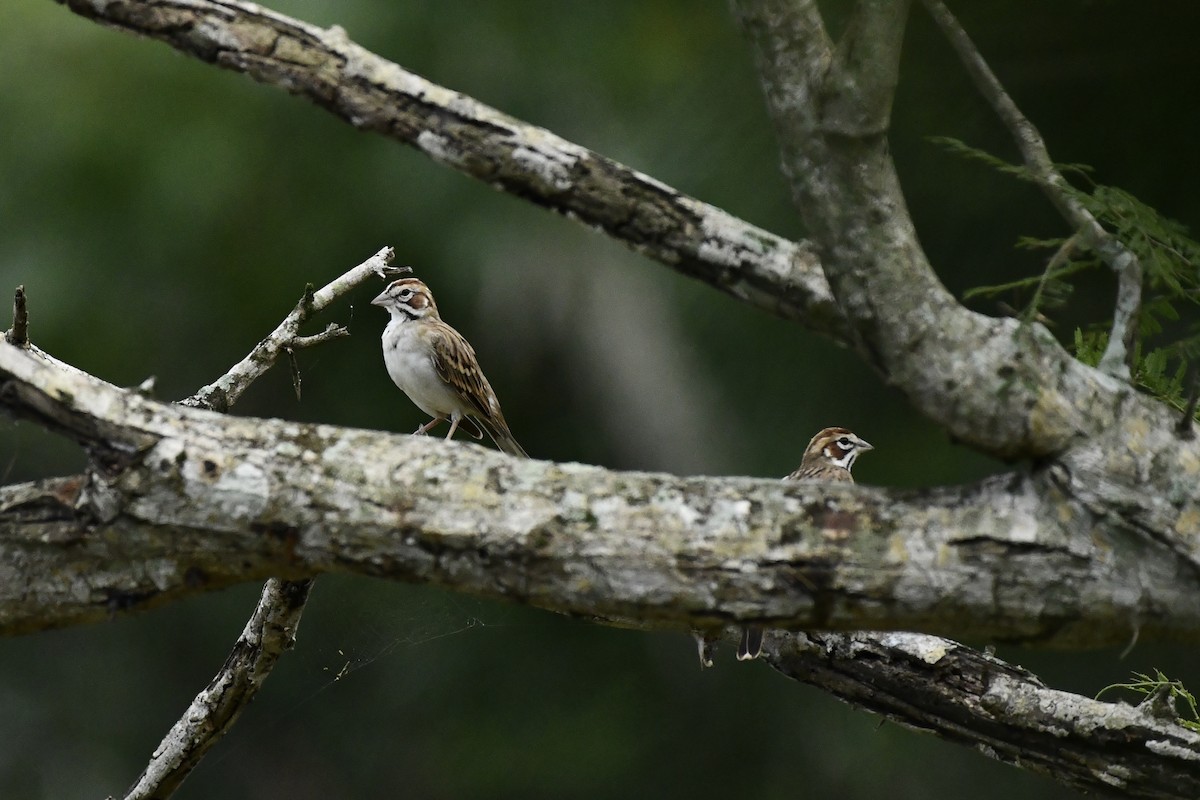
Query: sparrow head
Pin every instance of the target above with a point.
(407, 299)
(836, 446)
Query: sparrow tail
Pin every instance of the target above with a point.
(504, 439)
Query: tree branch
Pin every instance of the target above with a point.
(272, 626)
(689, 552)
(1003, 711)
(18, 334)
(371, 93)
(1118, 355)
(199, 501)
(225, 391)
(210, 500)
(1007, 389)
(270, 631)
(332, 331)
(857, 93)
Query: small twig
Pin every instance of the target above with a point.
(146, 387)
(1118, 355)
(224, 392)
(1057, 260)
(269, 632)
(19, 333)
(388, 272)
(1185, 428)
(333, 331)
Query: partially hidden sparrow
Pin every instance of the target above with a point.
(828, 457)
(436, 367)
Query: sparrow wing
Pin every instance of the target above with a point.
(830, 473)
(455, 363)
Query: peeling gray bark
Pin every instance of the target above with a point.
(1097, 543)
(193, 500)
(1005, 712)
(198, 500)
(374, 94)
(1008, 392)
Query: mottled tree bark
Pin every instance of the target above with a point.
(185, 500)
(1092, 545)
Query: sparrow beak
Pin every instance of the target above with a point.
(864, 445)
(381, 300)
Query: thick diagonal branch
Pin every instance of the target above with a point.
(203, 500)
(1013, 392)
(374, 94)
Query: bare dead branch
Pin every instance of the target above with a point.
(1001, 710)
(1118, 355)
(204, 500)
(371, 93)
(388, 272)
(679, 552)
(225, 391)
(331, 332)
(270, 631)
(272, 626)
(18, 334)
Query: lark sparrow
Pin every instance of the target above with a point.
(828, 457)
(436, 367)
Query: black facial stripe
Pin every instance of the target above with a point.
(408, 312)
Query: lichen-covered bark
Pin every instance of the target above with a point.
(1010, 392)
(965, 696)
(195, 500)
(374, 94)
(1095, 544)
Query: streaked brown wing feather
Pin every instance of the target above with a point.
(455, 362)
(821, 472)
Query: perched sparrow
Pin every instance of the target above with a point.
(436, 367)
(828, 457)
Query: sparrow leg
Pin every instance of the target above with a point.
(428, 426)
(453, 427)
(704, 648)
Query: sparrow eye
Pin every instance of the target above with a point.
(844, 441)
(406, 293)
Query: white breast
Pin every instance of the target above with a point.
(410, 365)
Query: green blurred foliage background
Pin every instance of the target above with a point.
(165, 215)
